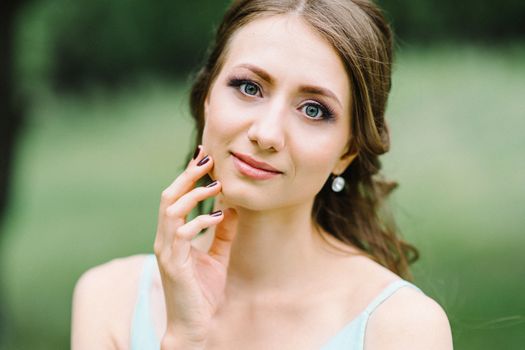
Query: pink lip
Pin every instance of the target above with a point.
(254, 168)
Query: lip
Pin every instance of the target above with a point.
(253, 168)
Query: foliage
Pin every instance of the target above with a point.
(87, 191)
(92, 41)
(76, 43)
(466, 20)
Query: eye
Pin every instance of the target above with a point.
(312, 111)
(316, 111)
(245, 86)
(249, 88)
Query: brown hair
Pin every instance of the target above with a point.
(360, 34)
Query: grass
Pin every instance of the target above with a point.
(90, 170)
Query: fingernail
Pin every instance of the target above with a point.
(203, 161)
(197, 151)
(216, 213)
(212, 184)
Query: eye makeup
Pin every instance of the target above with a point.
(327, 112)
(237, 82)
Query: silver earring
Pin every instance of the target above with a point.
(338, 183)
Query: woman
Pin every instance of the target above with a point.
(297, 252)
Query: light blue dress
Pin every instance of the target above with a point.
(350, 337)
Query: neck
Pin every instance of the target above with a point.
(276, 251)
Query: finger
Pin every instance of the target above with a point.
(181, 243)
(192, 228)
(174, 216)
(186, 180)
(224, 235)
(185, 204)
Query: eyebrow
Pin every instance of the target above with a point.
(308, 89)
(316, 90)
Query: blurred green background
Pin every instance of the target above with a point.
(104, 87)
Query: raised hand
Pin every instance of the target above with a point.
(193, 281)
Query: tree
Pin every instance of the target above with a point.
(10, 114)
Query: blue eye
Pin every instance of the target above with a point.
(312, 111)
(249, 88)
(245, 86)
(317, 111)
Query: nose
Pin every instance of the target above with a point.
(268, 128)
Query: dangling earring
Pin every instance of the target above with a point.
(338, 183)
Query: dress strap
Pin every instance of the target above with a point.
(352, 336)
(387, 292)
(142, 331)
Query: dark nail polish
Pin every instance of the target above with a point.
(197, 151)
(216, 213)
(203, 161)
(212, 184)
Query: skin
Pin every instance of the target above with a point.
(272, 126)
(261, 272)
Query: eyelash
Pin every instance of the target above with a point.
(328, 113)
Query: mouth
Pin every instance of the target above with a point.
(253, 168)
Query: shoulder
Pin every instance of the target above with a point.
(110, 274)
(408, 320)
(110, 282)
(103, 302)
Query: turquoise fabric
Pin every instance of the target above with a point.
(350, 337)
(143, 335)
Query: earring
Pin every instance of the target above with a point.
(338, 183)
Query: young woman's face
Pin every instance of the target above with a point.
(277, 117)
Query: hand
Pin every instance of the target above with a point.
(193, 281)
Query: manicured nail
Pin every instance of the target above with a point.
(203, 161)
(212, 184)
(216, 213)
(197, 151)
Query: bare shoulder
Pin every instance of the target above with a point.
(106, 273)
(103, 302)
(408, 320)
(110, 283)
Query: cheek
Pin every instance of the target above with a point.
(220, 123)
(319, 165)
(316, 157)
(223, 128)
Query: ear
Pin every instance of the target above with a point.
(346, 159)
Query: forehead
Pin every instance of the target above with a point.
(289, 49)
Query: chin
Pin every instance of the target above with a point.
(234, 196)
(244, 193)
(238, 196)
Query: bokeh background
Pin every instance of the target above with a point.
(95, 124)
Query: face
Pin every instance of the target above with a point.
(277, 117)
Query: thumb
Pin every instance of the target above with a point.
(224, 234)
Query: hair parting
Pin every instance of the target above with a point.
(358, 31)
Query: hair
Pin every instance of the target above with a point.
(358, 31)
